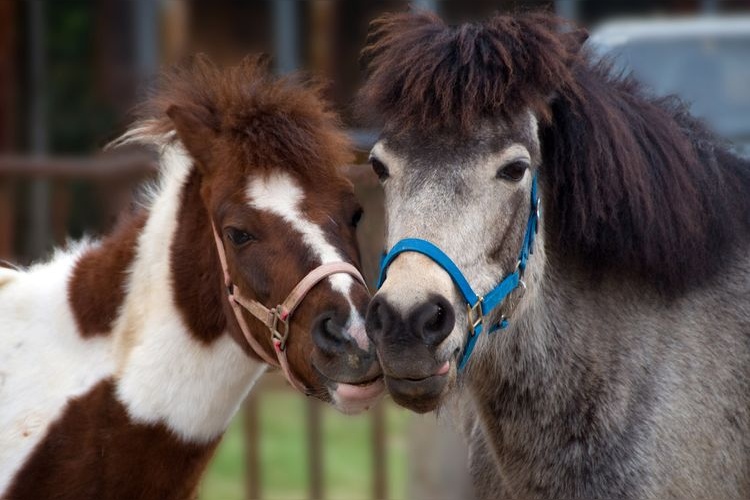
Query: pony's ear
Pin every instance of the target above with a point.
(196, 132)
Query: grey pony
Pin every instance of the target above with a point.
(625, 371)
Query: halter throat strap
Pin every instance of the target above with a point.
(277, 319)
(477, 307)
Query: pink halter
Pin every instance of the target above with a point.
(277, 319)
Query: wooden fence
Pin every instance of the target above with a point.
(114, 177)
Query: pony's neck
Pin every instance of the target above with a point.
(176, 363)
(538, 387)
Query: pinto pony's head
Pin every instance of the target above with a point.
(470, 116)
(266, 153)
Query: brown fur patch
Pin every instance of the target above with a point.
(196, 272)
(95, 451)
(265, 121)
(97, 285)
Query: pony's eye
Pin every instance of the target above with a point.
(379, 168)
(239, 237)
(513, 171)
(356, 217)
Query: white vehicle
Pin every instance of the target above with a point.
(704, 60)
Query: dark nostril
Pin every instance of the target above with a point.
(328, 328)
(327, 334)
(379, 317)
(433, 320)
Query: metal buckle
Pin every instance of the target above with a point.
(520, 270)
(474, 315)
(278, 319)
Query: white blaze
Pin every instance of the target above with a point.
(279, 194)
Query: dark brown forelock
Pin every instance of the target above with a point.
(633, 184)
(425, 75)
(271, 121)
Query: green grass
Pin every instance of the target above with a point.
(347, 453)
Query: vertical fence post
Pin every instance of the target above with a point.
(286, 35)
(567, 9)
(7, 222)
(315, 448)
(379, 463)
(60, 210)
(251, 422)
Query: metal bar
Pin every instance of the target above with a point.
(379, 453)
(314, 449)
(567, 9)
(7, 220)
(251, 421)
(431, 5)
(286, 35)
(40, 191)
(60, 196)
(146, 38)
(710, 6)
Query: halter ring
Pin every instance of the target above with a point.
(279, 318)
(474, 315)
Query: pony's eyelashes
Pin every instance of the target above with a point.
(239, 237)
(356, 217)
(513, 171)
(379, 168)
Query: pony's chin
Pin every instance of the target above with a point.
(421, 396)
(356, 398)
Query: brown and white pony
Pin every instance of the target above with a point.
(623, 368)
(121, 362)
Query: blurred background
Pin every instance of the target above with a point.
(72, 70)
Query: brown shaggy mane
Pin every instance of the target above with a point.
(273, 121)
(631, 182)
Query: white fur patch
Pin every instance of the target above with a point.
(44, 361)
(164, 375)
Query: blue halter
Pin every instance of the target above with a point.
(476, 307)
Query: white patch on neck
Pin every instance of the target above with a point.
(164, 374)
(44, 360)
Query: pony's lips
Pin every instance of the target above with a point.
(355, 398)
(420, 394)
(440, 372)
(360, 392)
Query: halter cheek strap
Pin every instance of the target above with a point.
(277, 319)
(477, 307)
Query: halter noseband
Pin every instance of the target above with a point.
(277, 318)
(477, 307)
